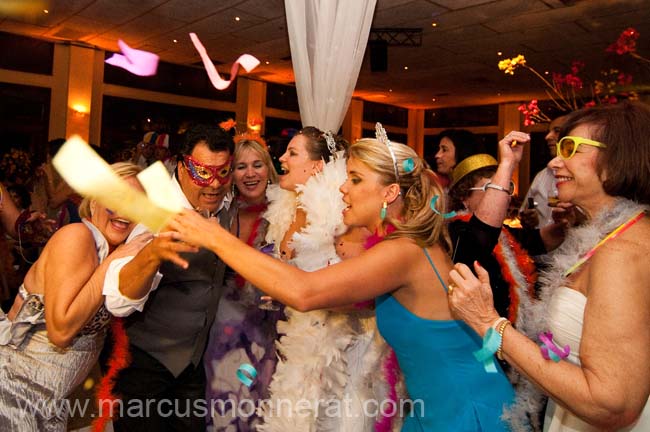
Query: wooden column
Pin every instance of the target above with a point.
(509, 120)
(353, 121)
(416, 130)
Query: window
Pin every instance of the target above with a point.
(396, 137)
(172, 78)
(275, 126)
(24, 119)
(27, 54)
(125, 121)
(282, 97)
(483, 115)
(385, 114)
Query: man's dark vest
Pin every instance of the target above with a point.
(176, 320)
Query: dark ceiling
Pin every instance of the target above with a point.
(455, 65)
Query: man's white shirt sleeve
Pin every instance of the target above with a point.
(117, 303)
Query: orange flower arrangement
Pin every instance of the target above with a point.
(566, 90)
(562, 90)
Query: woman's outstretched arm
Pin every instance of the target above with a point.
(379, 270)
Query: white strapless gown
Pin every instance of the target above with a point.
(567, 309)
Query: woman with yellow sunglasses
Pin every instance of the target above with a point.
(568, 145)
(593, 362)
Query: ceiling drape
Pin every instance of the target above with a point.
(328, 39)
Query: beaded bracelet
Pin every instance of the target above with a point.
(492, 342)
(502, 328)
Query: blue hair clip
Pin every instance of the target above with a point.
(408, 165)
(432, 204)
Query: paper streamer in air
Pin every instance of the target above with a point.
(247, 61)
(91, 176)
(137, 62)
(157, 184)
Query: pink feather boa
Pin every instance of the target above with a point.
(390, 367)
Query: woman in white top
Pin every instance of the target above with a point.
(595, 300)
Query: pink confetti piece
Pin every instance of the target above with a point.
(247, 61)
(137, 62)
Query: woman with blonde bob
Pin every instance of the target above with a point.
(389, 192)
(243, 332)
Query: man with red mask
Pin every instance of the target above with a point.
(170, 309)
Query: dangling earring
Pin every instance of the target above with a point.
(382, 212)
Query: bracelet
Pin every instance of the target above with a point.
(502, 328)
(490, 185)
(491, 344)
(497, 322)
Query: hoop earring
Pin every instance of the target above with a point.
(382, 212)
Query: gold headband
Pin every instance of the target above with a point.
(469, 165)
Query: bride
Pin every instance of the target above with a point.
(330, 361)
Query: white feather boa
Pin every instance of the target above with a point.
(578, 242)
(325, 356)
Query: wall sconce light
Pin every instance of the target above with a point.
(80, 110)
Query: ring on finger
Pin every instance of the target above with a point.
(450, 288)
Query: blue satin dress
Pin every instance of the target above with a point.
(450, 388)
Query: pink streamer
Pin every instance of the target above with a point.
(391, 373)
(390, 367)
(247, 61)
(137, 62)
(547, 340)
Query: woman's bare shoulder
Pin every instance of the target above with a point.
(75, 236)
(632, 243)
(625, 257)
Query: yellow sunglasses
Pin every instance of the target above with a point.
(567, 146)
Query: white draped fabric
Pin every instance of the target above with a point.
(328, 39)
